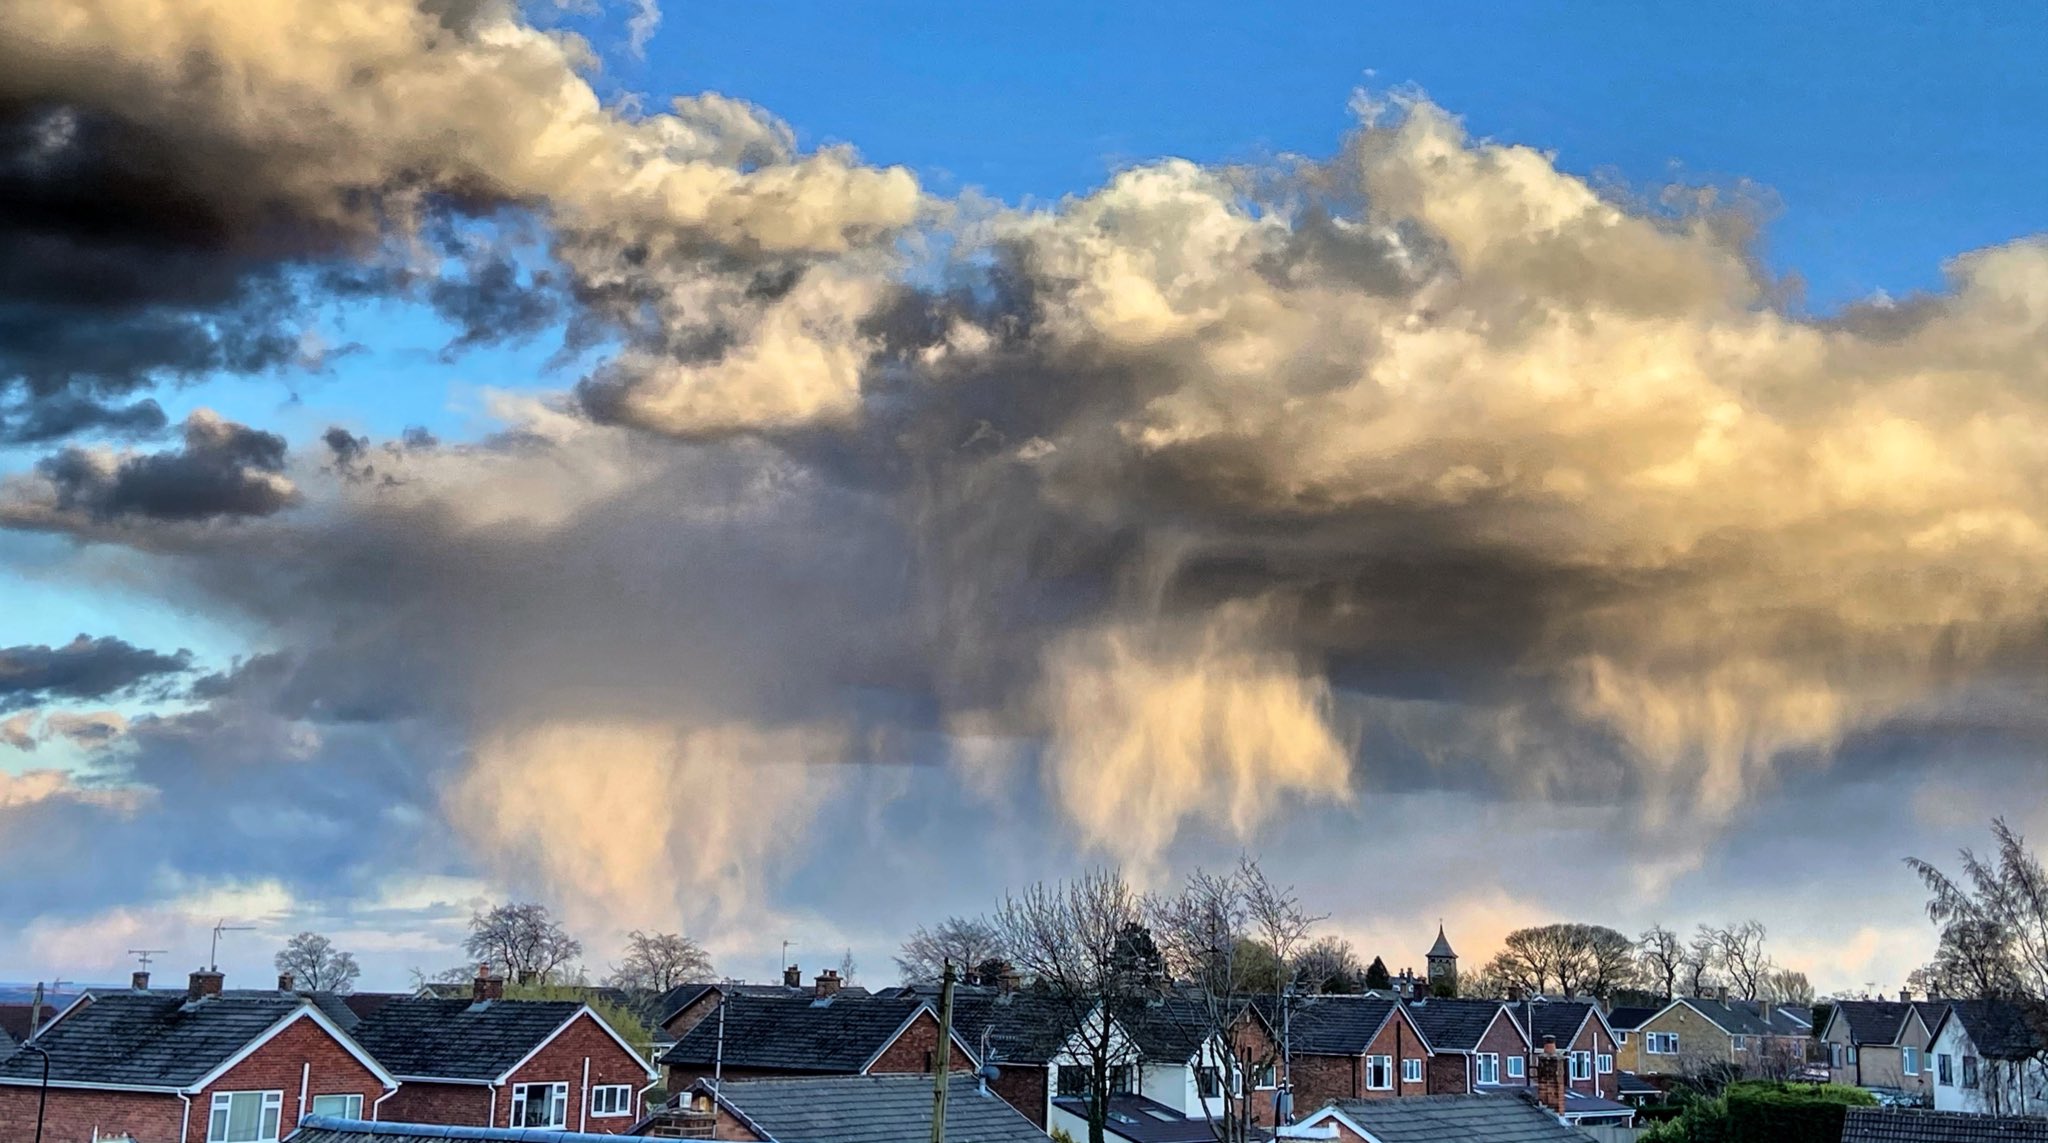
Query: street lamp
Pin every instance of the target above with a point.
(42, 1096)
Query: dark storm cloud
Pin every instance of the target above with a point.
(67, 414)
(224, 471)
(85, 669)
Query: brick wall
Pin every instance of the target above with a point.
(74, 1116)
(561, 1061)
(1445, 1073)
(911, 1051)
(1594, 1038)
(692, 1013)
(302, 1051)
(462, 1105)
(1320, 1079)
(1024, 1087)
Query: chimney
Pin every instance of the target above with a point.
(828, 983)
(139, 981)
(204, 982)
(792, 977)
(1905, 996)
(1550, 1077)
(1007, 982)
(486, 987)
(284, 982)
(1514, 994)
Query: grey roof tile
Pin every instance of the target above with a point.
(1334, 1025)
(1911, 1125)
(1560, 1019)
(1629, 1018)
(1506, 1118)
(459, 1039)
(874, 1109)
(1020, 1027)
(1998, 1028)
(795, 1033)
(149, 1039)
(1453, 1025)
(1873, 1021)
(1733, 1017)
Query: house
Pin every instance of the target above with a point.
(1475, 1043)
(1184, 1063)
(1627, 1020)
(1352, 1048)
(195, 1065)
(756, 1037)
(850, 1109)
(1987, 1059)
(1882, 1044)
(1914, 1125)
(1696, 1034)
(1132, 1119)
(1581, 1032)
(1019, 1035)
(488, 1061)
(677, 1010)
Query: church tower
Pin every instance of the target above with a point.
(1443, 966)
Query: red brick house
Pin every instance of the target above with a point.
(1475, 1043)
(1354, 1047)
(1582, 1035)
(488, 1061)
(755, 1037)
(192, 1066)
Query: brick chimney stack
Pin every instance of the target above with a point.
(284, 982)
(828, 983)
(1550, 1077)
(792, 977)
(486, 986)
(204, 982)
(139, 980)
(1905, 996)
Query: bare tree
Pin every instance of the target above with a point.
(657, 962)
(1972, 959)
(1229, 939)
(1660, 960)
(1700, 961)
(1329, 965)
(316, 964)
(971, 943)
(1579, 959)
(524, 938)
(1738, 952)
(1084, 944)
(1787, 986)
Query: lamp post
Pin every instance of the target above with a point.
(42, 1096)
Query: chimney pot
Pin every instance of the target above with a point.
(204, 982)
(792, 977)
(139, 980)
(828, 982)
(284, 982)
(485, 986)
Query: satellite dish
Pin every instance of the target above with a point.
(990, 1072)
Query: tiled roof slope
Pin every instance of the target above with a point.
(874, 1109)
(1453, 1025)
(1559, 1019)
(149, 1039)
(1734, 1019)
(426, 1037)
(1143, 1120)
(1909, 1125)
(1458, 1119)
(328, 1129)
(1335, 1025)
(1872, 1021)
(1019, 1027)
(796, 1033)
(1998, 1028)
(1628, 1019)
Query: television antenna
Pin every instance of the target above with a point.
(145, 957)
(213, 952)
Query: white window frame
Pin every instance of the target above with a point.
(1661, 1043)
(1739, 1043)
(1489, 1067)
(1604, 1064)
(351, 1102)
(622, 1102)
(1582, 1065)
(220, 1113)
(1945, 1069)
(1909, 1060)
(1266, 1077)
(557, 1096)
(1411, 1066)
(1518, 1068)
(1384, 1066)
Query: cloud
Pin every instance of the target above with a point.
(224, 471)
(85, 668)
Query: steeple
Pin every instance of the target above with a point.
(1442, 947)
(1443, 965)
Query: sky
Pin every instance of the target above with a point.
(791, 471)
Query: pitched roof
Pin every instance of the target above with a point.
(1872, 1021)
(365, 1004)
(1016, 1028)
(1913, 1125)
(1998, 1028)
(1560, 1019)
(1629, 1083)
(1169, 1030)
(330, 1129)
(797, 1033)
(1142, 1120)
(1732, 1018)
(1628, 1019)
(428, 1037)
(149, 1039)
(1454, 1119)
(15, 1020)
(872, 1109)
(1453, 1025)
(1335, 1025)
(1442, 947)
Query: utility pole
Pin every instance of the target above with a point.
(942, 1060)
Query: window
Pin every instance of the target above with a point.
(540, 1105)
(1516, 1066)
(1209, 1083)
(1945, 1069)
(1073, 1080)
(1970, 1072)
(1606, 1063)
(1582, 1065)
(244, 1116)
(1739, 1043)
(1909, 1061)
(1267, 1076)
(1661, 1043)
(1411, 1071)
(339, 1106)
(1489, 1067)
(1621, 1038)
(1379, 1073)
(611, 1099)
